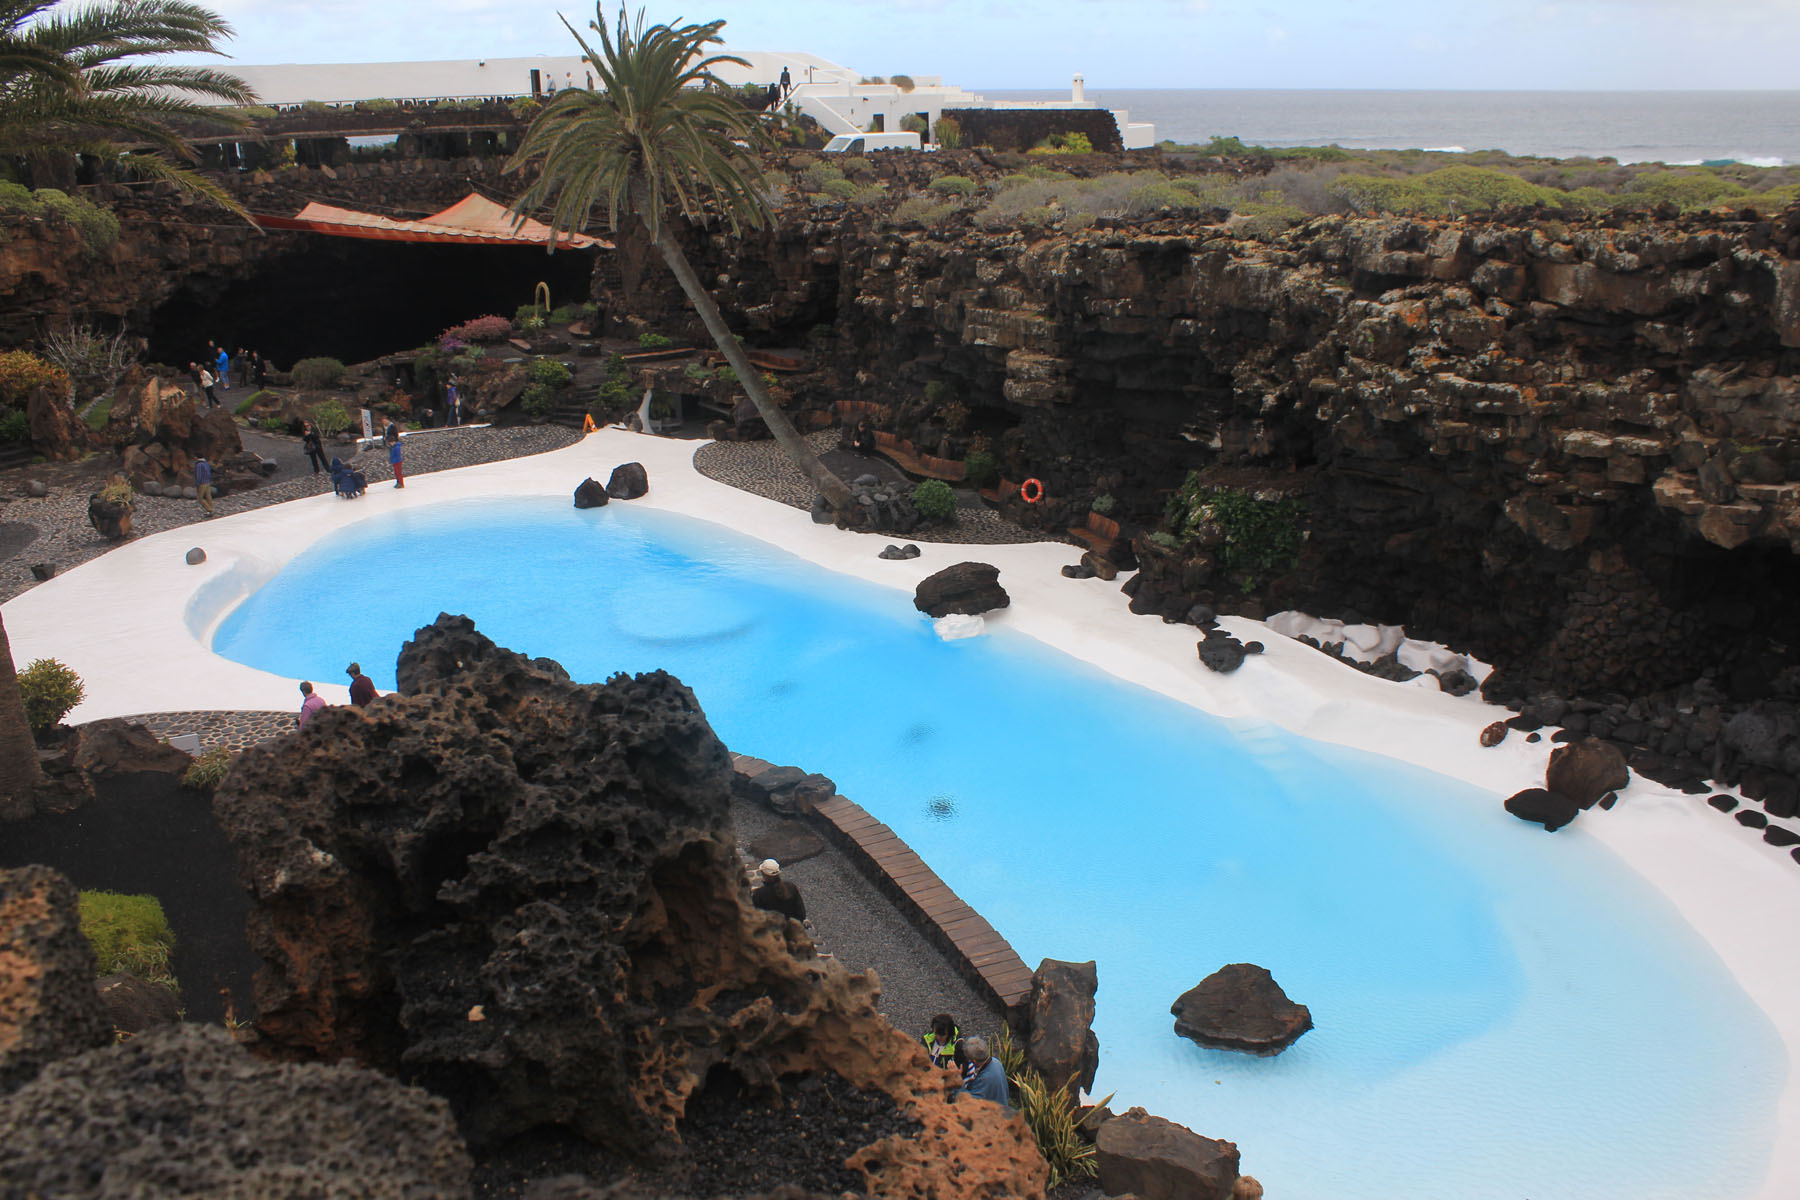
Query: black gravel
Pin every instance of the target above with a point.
(741, 1142)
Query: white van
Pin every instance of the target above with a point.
(857, 143)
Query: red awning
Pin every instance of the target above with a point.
(472, 221)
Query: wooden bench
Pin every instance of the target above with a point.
(980, 954)
(905, 455)
(1099, 534)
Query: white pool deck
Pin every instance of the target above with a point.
(137, 624)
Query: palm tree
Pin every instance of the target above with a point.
(77, 82)
(660, 133)
(19, 770)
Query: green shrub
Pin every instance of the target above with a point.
(381, 104)
(1685, 189)
(116, 491)
(524, 313)
(564, 315)
(272, 425)
(550, 371)
(17, 198)
(920, 211)
(653, 341)
(22, 373)
(1051, 1114)
(331, 418)
(1103, 503)
(698, 372)
(50, 690)
(858, 168)
(15, 426)
(99, 229)
(245, 405)
(840, 189)
(979, 468)
(1064, 143)
(129, 934)
(589, 311)
(726, 375)
(1165, 539)
(317, 373)
(947, 133)
(208, 769)
(905, 84)
(936, 392)
(953, 185)
(538, 400)
(820, 174)
(934, 500)
(1260, 537)
(914, 123)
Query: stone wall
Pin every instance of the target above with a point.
(1023, 128)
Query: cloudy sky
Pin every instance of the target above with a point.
(1504, 44)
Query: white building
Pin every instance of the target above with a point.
(830, 94)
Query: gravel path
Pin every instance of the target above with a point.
(764, 469)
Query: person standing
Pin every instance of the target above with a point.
(362, 688)
(240, 363)
(223, 365)
(310, 704)
(259, 369)
(314, 446)
(395, 455)
(777, 894)
(206, 385)
(203, 483)
(787, 83)
(453, 400)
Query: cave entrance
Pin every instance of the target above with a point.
(1746, 596)
(354, 299)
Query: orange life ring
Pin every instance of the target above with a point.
(1031, 491)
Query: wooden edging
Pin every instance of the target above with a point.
(981, 955)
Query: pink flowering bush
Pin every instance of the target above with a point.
(481, 329)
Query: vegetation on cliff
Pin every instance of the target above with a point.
(660, 133)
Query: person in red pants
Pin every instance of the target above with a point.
(394, 460)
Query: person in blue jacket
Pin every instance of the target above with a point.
(984, 1078)
(395, 454)
(224, 371)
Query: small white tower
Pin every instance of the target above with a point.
(1078, 93)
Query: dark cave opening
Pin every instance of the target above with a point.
(1746, 596)
(355, 300)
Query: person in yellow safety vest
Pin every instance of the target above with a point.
(944, 1041)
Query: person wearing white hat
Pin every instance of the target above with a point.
(776, 894)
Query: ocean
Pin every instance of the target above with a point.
(1760, 128)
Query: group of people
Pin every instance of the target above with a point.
(212, 373)
(983, 1076)
(362, 694)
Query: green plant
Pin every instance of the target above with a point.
(272, 425)
(524, 313)
(205, 772)
(698, 372)
(537, 400)
(953, 185)
(1050, 1113)
(840, 189)
(936, 392)
(1103, 503)
(589, 312)
(15, 426)
(726, 375)
(947, 133)
(22, 373)
(653, 341)
(330, 418)
(905, 84)
(550, 371)
(381, 104)
(955, 416)
(914, 123)
(1165, 539)
(920, 211)
(245, 405)
(1064, 143)
(116, 491)
(934, 500)
(1257, 538)
(317, 373)
(979, 468)
(129, 934)
(562, 316)
(50, 689)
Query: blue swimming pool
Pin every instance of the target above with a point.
(1500, 1013)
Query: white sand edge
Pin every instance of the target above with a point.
(136, 624)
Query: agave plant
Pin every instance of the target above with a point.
(1051, 1113)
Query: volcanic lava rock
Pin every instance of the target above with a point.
(1240, 1007)
(589, 494)
(48, 1006)
(970, 588)
(1221, 652)
(134, 1005)
(1586, 770)
(899, 553)
(112, 747)
(110, 518)
(1552, 810)
(1155, 1159)
(1062, 1045)
(629, 481)
(523, 894)
(195, 556)
(1495, 733)
(184, 1111)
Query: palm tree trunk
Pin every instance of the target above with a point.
(19, 770)
(836, 493)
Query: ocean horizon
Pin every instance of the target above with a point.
(1759, 128)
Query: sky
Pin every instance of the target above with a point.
(1000, 44)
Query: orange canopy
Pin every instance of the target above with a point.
(473, 221)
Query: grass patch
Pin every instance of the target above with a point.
(100, 412)
(129, 934)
